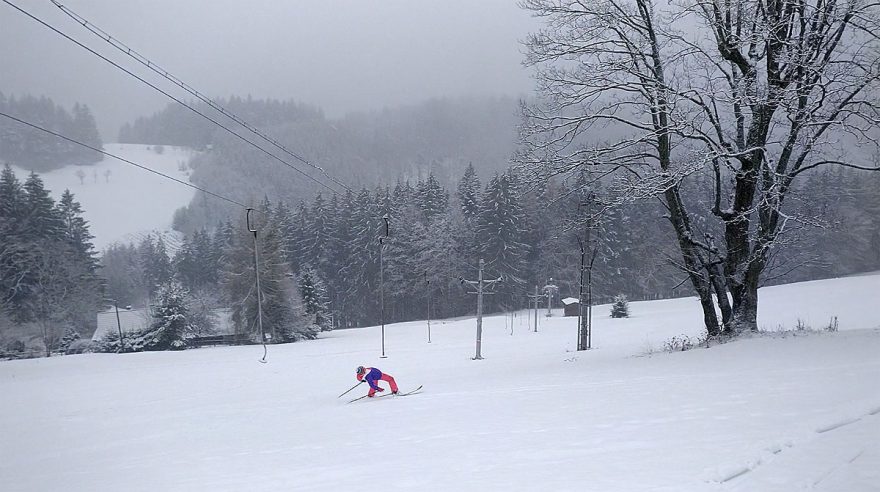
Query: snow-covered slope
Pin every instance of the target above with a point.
(760, 414)
(129, 202)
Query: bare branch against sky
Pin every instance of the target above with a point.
(341, 55)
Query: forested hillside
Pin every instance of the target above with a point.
(327, 249)
(441, 134)
(361, 149)
(441, 171)
(329, 246)
(38, 151)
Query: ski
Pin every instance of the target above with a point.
(389, 394)
(412, 392)
(402, 394)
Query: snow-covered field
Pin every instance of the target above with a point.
(760, 414)
(129, 202)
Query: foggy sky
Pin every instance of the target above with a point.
(341, 55)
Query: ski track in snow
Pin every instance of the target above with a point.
(760, 414)
(831, 455)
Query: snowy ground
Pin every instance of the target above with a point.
(761, 414)
(124, 206)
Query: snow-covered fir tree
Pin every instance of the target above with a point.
(194, 261)
(314, 297)
(170, 323)
(86, 286)
(70, 336)
(317, 235)
(13, 252)
(283, 317)
(501, 230)
(362, 269)
(439, 252)
(469, 193)
(341, 252)
(155, 263)
(85, 130)
(432, 200)
(169, 326)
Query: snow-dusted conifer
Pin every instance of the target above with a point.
(85, 129)
(155, 262)
(42, 222)
(362, 269)
(70, 336)
(167, 331)
(170, 320)
(13, 253)
(316, 236)
(433, 200)
(500, 233)
(84, 297)
(314, 297)
(279, 296)
(469, 193)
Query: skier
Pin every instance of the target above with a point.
(372, 376)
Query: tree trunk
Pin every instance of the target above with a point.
(716, 277)
(745, 310)
(692, 262)
(704, 292)
(45, 329)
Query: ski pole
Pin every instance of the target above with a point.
(349, 389)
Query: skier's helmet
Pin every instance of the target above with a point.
(361, 370)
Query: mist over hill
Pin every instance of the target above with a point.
(442, 135)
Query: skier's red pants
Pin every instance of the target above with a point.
(388, 379)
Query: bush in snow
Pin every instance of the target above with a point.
(620, 308)
(682, 343)
(70, 336)
(110, 343)
(81, 346)
(832, 326)
(15, 346)
(802, 328)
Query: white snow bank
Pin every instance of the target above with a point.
(129, 202)
(534, 415)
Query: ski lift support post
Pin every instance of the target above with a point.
(253, 230)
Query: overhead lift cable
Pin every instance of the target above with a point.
(170, 96)
(143, 60)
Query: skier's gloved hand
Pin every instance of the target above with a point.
(380, 390)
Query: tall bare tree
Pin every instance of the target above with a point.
(754, 93)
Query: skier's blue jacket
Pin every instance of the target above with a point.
(371, 376)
